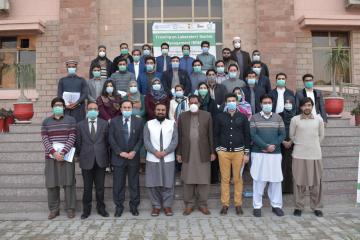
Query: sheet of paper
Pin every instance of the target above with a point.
(59, 147)
(71, 97)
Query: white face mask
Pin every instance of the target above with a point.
(237, 45)
(288, 106)
(256, 58)
(102, 54)
(194, 108)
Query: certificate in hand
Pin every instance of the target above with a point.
(71, 97)
(69, 156)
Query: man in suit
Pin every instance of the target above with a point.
(138, 65)
(163, 61)
(195, 150)
(253, 92)
(175, 76)
(242, 57)
(312, 93)
(263, 80)
(92, 146)
(126, 139)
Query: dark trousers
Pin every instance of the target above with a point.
(131, 169)
(96, 176)
(54, 198)
(215, 171)
(286, 165)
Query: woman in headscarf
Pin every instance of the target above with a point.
(156, 95)
(138, 100)
(242, 105)
(179, 103)
(207, 103)
(109, 101)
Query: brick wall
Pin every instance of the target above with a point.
(304, 56)
(355, 45)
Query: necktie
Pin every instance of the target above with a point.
(92, 131)
(126, 129)
(252, 100)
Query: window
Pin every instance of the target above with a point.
(323, 43)
(16, 50)
(146, 12)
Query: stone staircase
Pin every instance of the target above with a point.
(22, 167)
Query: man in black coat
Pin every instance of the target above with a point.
(92, 146)
(104, 63)
(253, 92)
(243, 58)
(174, 76)
(126, 139)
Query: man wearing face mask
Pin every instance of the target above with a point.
(104, 63)
(227, 58)
(125, 139)
(232, 142)
(284, 105)
(267, 133)
(163, 62)
(233, 80)
(59, 128)
(253, 92)
(217, 91)
(221, 71)
(307, 133)
(160, 141)
(137, 65)
(95, 84)
(242, 57)
(205, 57)
(314, 94)
(195, 151)
(197, 76)
(256, 57)
(145, 78)
(92, 146)
(74, 90)
(124, 54)
(122, 77)
(263, 80)
(175, 76)
(186, 61)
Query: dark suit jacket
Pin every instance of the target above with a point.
(91, 150)
(319, 102)
(96, 61)
(119, 144)
(205, 144)
(184, 80)
(141, 67)
(259, 91)
(264, 82)
(246, 61)
(220, 92)
(160, 63)
(288, 94)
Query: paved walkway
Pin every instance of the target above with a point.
(339, 222)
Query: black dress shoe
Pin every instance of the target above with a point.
(134, 212)
(224, 210)
(118, 213)
(297, 212)
(278, 211)
(318, 213)
(257, 212)
(85, 215)
(103, 213)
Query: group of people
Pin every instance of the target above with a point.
(202, 118)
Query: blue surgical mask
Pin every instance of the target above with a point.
(186, 52)
(164, 51)
(266, 108)
(133, 90)
(109, 89)
(179, 94)
(149, 67)
(309, 84)
(280, 83)
(127, 114)
(203, 92)
(124, 51)
(205, 49)
(146, 52)
(197, 69)
(71, 70)
(96, 74)
(239, 98)
(122, 68)
(175, 65)
(156, 87)
(231, 106)
(58, 110)
(136, 58)
(257, 70)
(220, 69)
(232, 74)
(92, 114)
(251, 81)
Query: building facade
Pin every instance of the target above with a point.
(294, 36)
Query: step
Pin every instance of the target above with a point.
(25, 128)
(341, 140)
(22, 157)
(342, 131)
(20, 137)
(341, 161)
(338, 122)
(344, 150)
(21, 147)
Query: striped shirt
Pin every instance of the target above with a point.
(266, 131)
(62, 131)
(122, 79)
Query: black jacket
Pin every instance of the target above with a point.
(96, 61)
(232, 133)
(288, 94)
(264, 82)
(319, 102)
(220, 92)
(259, 91)
(246, 61)
(116, 60)
(211, 107)
(184, 80)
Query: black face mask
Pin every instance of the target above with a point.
(160, 118)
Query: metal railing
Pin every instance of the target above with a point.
(351, 94)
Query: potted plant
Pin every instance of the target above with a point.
(356, 113)
(2, 120)
(23, 108)
(338, 64)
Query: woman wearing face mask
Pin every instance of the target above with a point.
(104, 63)
(179, 103)
(138, 100)
(242, 105)
(156, 95)
(109, 102)
(207, 103)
